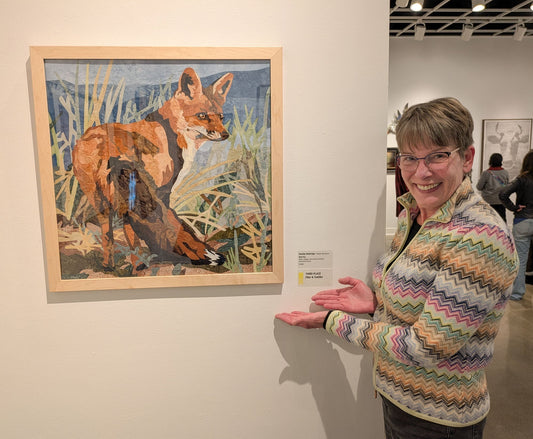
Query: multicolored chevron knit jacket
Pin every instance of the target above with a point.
(439, 308)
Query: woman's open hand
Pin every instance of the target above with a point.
(307, 320)
(356, 298)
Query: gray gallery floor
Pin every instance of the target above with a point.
(510, 375)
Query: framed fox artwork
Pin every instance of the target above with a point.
(509, 137)
(159, 167)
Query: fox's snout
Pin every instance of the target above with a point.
(215, 135)
(207, 134)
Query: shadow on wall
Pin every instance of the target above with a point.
(312, 358)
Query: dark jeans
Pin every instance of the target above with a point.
(402, 425)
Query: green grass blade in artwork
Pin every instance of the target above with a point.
(115, 95)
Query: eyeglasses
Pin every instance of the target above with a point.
(435, 159)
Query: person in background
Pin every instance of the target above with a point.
(439, 292)
(491, 181)
(522, 186)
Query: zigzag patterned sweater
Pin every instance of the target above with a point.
(439, 306)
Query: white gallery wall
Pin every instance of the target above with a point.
(491, 77)
(201, 363)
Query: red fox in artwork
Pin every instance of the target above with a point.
(130, 169)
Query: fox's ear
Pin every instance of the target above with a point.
(189, 84)
(220, 88)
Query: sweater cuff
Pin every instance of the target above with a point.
(326, 319)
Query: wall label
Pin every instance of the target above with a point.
(315, 268)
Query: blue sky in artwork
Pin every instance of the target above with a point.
(144, 71)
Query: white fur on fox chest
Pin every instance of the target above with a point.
(188, 155)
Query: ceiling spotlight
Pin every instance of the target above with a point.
(468, 30)
(417, 5)
(519, 32)
(478, 5)
(402, 3)
(420, 30)
(531, 7)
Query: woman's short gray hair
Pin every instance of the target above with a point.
(442, 122)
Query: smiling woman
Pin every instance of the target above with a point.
(441, 287)
(446, 151)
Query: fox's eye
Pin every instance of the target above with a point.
(201, 115)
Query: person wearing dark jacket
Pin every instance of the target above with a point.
(522, 186)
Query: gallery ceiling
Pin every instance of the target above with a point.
(447, 18)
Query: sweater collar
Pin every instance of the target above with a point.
(445, 212)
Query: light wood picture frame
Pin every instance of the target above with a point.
(159, 166)
(392, 154)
